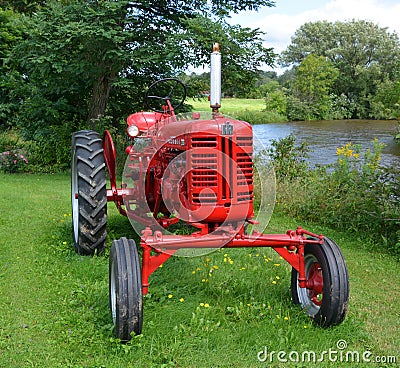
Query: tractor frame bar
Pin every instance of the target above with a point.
(158, 248)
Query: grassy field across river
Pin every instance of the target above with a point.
(230, 308)
(229, 105)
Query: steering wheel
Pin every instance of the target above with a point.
(168, 89)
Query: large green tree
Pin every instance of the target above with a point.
(364, 53)
(312, 85)
(11, 33)
(85, 59)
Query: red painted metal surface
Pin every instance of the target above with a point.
(315, 283)
(201, 169)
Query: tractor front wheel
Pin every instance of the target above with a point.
(325, 298)
(126, 302)
(88, 193)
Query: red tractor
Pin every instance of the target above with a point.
(195, 168)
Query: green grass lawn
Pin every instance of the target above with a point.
(54, 303)
(230, 105)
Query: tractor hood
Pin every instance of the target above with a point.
(203, 124)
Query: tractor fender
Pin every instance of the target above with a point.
(110, 156)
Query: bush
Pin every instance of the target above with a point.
(260, 117)
(276, 102)
(51, 149)
(355, 193)
(299, 111)
(13, 153)
(13, 161)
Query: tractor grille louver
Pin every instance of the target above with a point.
(244, 175)
(227, 182)
(204, 169)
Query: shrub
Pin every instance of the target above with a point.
(13, 161)
(13, 153)
(275, 101)
(51, 149)
(260, 117)
(355, 193)
(289, 159)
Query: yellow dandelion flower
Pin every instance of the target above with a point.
(277, 264)
(193, 272)
(286, 318)
(160, 266)
(181, 300)
(230, 261)
(169, 296)
(64, 243)
(274, 282)
(206, 305)
(201, 304)
(277, 277)
(198, 269)
(208, 260)
(215, 267)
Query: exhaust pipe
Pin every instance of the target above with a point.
(215, 83)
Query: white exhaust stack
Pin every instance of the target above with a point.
(215, 85)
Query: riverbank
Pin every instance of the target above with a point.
(54, 305)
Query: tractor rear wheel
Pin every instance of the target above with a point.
(326, 296)
(88, 193)
(125, 289)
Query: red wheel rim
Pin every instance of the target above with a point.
(315, 283)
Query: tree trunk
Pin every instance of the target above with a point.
(98, 101)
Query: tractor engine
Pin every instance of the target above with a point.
(196, 167)
(208, 174)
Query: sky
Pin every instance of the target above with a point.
(281, 22)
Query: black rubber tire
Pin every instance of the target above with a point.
(125, 287)
(335, 290)
(88, 193)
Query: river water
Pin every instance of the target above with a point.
(323, 137)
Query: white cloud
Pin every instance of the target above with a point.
(281, 27)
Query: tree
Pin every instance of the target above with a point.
(85, 59)
(22, 6)
(386, 102)
(11, 32)
(364, 54)
(315, 77)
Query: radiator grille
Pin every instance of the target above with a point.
(204, 173)
(228, 182)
